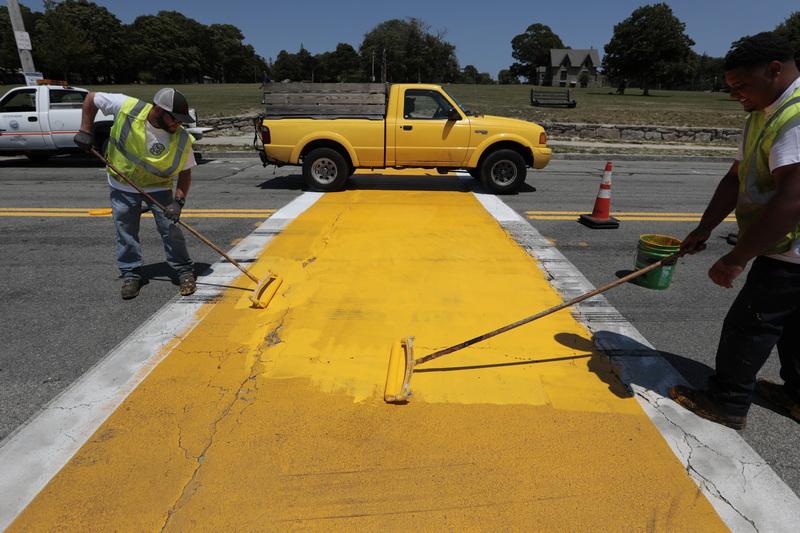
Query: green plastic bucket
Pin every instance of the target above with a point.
(653, 248)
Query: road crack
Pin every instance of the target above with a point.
(245, 393)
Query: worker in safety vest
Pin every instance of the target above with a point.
(149, 145)
(763, 187)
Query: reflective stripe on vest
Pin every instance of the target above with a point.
(756, 183)
(127, 150)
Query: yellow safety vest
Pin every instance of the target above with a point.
(756, 183)
(127, 149)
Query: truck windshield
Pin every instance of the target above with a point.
(461, 107)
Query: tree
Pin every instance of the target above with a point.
(169, 47)
(404, 51)
(9, 59)
(225, 57)
(709, 74)
(80, 37)
(341, 65)
(308, 64)
(506, 77)
(470, 75)
(650, 46)
(286, 67)
(532, 50)
(790, 28)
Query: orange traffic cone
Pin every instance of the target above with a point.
(600, 218)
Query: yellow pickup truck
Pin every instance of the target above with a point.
(334, 129)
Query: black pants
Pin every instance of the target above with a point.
(765, 314)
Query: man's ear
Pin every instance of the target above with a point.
(774, 69)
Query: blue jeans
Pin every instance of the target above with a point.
(765, 315)
(127, 212)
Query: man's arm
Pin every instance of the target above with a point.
(721, 205)
(89, 110)
(173, 210)
(184, 182)
(779, 216)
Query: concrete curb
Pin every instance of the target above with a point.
(643, 157)
(556, 157)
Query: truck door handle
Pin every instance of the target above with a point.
(407, 128)
(33, 119)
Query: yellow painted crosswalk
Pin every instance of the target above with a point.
(272, 420)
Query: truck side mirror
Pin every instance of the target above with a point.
(452, 114)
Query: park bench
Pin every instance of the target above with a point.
(545, 97)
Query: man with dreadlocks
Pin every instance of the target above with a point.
(763, 187)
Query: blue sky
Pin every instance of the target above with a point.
(481, 31)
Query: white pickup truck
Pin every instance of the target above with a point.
(40, 121)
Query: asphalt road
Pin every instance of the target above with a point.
(62, 312)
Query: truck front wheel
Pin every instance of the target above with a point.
(325, 169)
(503, 171)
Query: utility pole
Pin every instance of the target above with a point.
(23, 42)
(383, 67)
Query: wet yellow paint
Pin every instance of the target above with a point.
(660, 240)
(273, 420)
(438, 267)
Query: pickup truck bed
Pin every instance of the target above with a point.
(326, 100)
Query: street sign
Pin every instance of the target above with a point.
(23, 40)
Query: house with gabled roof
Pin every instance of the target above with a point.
(566, 68)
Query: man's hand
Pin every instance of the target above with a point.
(84, 141)
(726, 269)
(695, 241)
(173, 211)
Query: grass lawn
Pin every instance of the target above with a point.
(595, 106)
(602, 106)
(211, 100)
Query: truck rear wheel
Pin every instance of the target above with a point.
(325, 169)
(503, 171)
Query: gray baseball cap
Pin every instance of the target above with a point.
(174, 103)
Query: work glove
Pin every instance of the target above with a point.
(84, 141)
(173, 211)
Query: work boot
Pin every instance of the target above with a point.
(775, 393)
(130, 288)
(702, 403)
(188, 285)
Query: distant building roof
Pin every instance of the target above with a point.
(574, 57)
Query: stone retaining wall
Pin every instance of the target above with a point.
(228, 125)
(641, 133)
(244, 125)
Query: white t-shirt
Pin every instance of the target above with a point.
(785, 151)
(111, 104)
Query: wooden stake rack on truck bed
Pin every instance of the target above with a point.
(325, 100)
